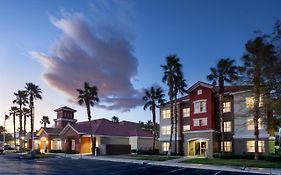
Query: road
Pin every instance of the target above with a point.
(11, 165)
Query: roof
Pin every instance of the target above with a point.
(109, 128)
(52, 131)
(65, 108)
(227, 89)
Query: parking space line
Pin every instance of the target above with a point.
(129, 169)
(179, 169)
(217, 172)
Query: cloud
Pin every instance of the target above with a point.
(96, 50)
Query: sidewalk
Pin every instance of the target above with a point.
(175, 163)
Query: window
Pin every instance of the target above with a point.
(73, 145)
(227, 126)
(166, 130)
(204, 122)
(166, 114)
(196, 122)
(186, 112)
(251, 146)
(227, 146)
(186, 127)
(199, 92)
(199, 106)
(200, 122)
(226, 107)
(251, 125)
(56, 145)
(165, 146)
(250, 102)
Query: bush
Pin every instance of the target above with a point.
(278, 152)
(133, 151)
(56, 151)
(148, 152)
(248, 156)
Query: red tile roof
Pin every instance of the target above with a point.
(109, 128)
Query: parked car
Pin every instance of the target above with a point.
(8, 147)
(1, 147)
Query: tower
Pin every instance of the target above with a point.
(65, 115)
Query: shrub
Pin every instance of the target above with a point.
(56, 151)
(248, 156)
(148, 152)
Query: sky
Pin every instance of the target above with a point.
(117, 46)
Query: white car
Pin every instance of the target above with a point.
(1, 147)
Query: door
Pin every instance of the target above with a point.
(197, 148)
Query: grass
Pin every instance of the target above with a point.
(153, 157)
(235, 162)
(45, 155)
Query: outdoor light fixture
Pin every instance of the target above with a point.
(22, 138)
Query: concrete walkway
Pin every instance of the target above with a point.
(176, 163)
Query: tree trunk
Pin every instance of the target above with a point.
(24, 124)
(14, 122)
(91, 128)
(176, 123)
(221, 93)
(154, 125)
(256, 123)
(20, 132)
(45, 124)
(171, 115)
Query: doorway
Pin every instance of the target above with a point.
(197, 148)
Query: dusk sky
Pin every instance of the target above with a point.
(117, 46)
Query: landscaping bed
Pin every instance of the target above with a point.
(153, 157)
(236, 162)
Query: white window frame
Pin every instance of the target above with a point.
(227, 146)
(73, 145)
(226, 107)
(165, 146)
(56, 144)
(227, 126)
(166, 130)
(186, 127)
(200, 106)
(251, 124)
(186, 112)
(250, 144)
(200, 122)
(196, 122)
(250, 101)
(166, 114)
(199, 92)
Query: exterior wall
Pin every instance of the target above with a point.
(85, 145)
(211, 136)
(241, 115)
(161, 148)
(142, 143)
(165, 122)
(240, 146)
(207, 94)
(67, 138)
(114, 140)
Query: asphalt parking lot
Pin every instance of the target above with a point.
(10, 165)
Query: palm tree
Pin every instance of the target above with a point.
(89, 96)
(171, 70)
(13, 111)
(153, 97)
(21, 100)
(225, 71)
(259, 63)
(180, 87)
(115, 119)
(34, 92)
(25, 115)
(45, 120)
